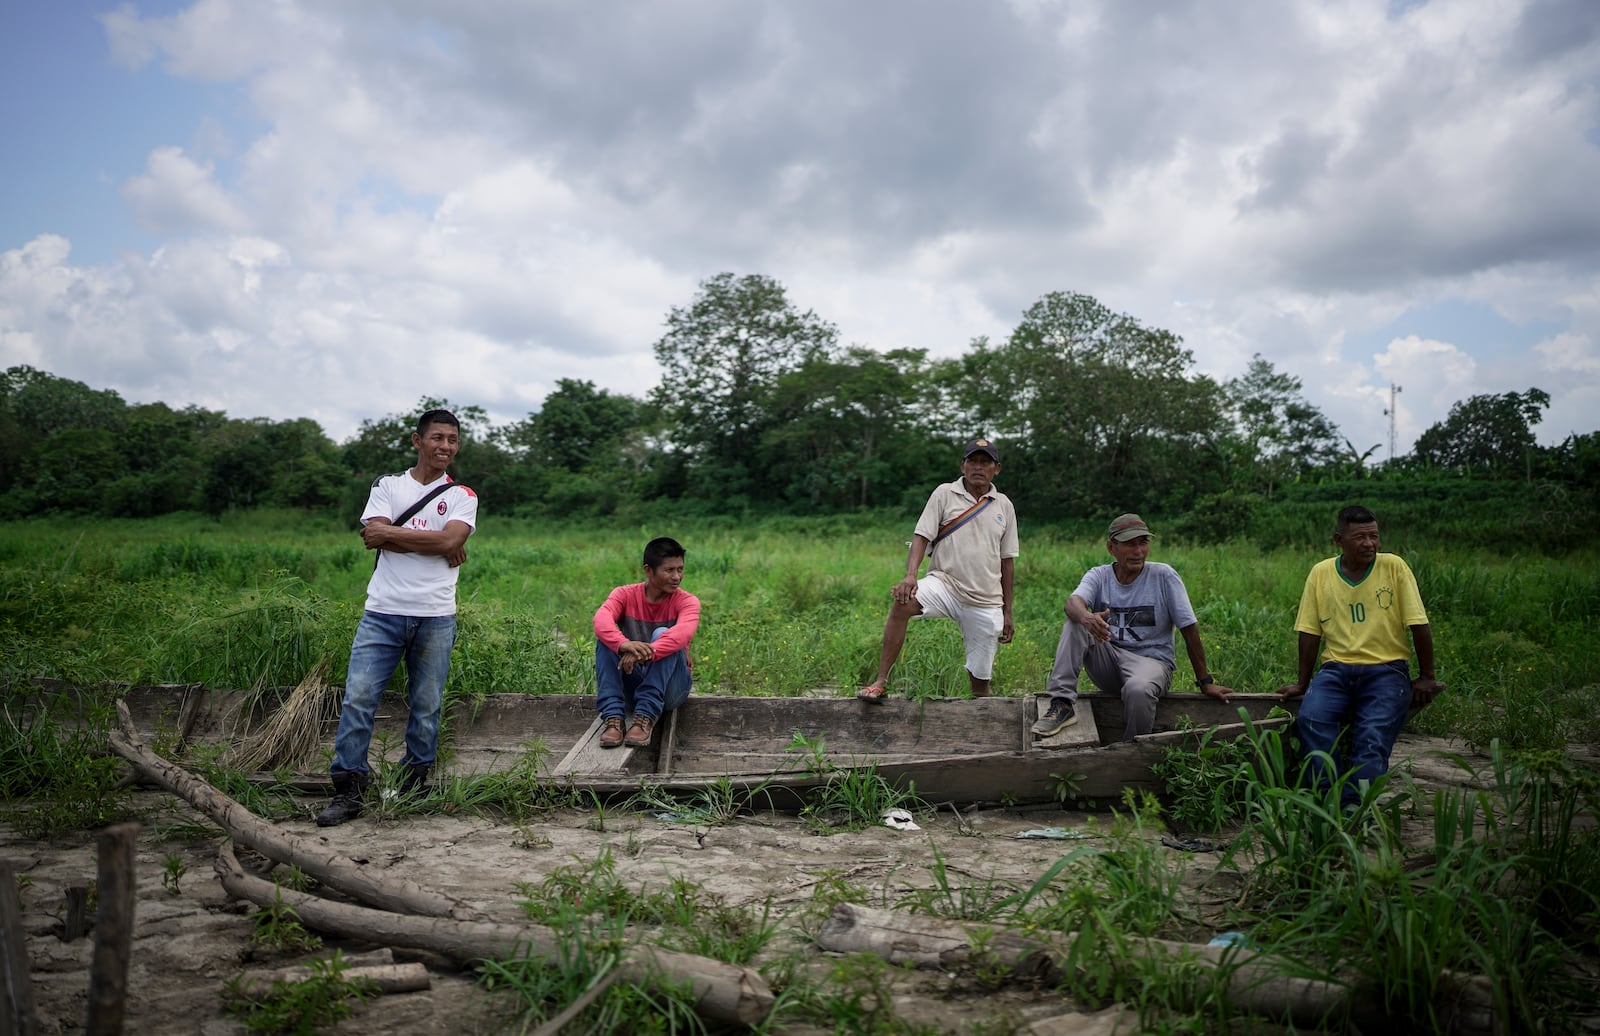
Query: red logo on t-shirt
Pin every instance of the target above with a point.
(442, 508)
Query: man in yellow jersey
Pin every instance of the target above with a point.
(1357, 607)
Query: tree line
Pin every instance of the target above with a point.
(761, 409)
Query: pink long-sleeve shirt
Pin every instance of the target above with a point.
(629, 615)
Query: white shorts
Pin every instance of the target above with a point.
(980, 626)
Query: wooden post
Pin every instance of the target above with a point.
(75, 922)
(16, 1017)
(113, 931)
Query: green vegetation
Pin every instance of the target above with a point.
(300, 1008)
(596, 918)
(791, 605)
(1498, 878)
(278, 928)
(51, 751)
(761, 412)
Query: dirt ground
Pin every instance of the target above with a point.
(187, 945)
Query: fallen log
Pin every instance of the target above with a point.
(1464, 1005)
(383, 978)
(929, 942)
(334, 870)
(723, 992)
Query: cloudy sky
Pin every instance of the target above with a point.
(302, 208)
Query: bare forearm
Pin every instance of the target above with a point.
(380, 535)
(1310, 644)
(919, 548)
(1422, 639)
(1196, 650)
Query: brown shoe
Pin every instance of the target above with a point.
(639, 733)
(611, 736)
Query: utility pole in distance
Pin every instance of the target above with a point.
(1394, 390)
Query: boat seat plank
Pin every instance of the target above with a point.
(1082, 734)
(586, 755)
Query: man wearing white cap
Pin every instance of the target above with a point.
(1119, 628)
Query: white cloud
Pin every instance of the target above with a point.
(475, 200)
(179, 196)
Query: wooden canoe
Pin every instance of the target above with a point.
(949, 749)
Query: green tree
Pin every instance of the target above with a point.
(306, 470)
(165, 469)
(1098, 411)
(722, 357)
(72, 468)
(578, 427)
(1281, 436)
(1576, 460)
(259, 462)
(1490, 434)
(581, 452)
(35, 406)
(852, 431)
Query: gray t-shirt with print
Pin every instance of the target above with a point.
(1145, 612)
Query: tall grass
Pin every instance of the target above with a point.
(791, 606)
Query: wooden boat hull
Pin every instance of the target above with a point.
(948, 750)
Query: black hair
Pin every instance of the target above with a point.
(1355, 514)
(660, 549)
(436, 417)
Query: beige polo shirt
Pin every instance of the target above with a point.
(968, 560)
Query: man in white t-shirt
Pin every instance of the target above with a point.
(969, 532)
(1119, 627)
(418, 521)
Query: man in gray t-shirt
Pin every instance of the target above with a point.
(1119, 628)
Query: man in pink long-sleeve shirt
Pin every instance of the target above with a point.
(641, 653)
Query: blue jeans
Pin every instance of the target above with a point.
(381, 642)
(1372, 701)
(652, 690)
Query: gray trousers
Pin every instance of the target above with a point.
(1140, 680)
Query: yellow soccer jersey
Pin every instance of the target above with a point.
(1362, 623)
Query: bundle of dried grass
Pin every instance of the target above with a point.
(293, 732)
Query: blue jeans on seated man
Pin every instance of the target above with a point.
(1372, 702)
(652, 690)
(381, 642)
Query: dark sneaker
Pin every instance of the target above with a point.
(639, 733)
(348, 790)
(611, 736)
(1058, 717)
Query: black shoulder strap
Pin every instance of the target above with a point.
(410, 512)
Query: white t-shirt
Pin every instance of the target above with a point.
(421, 585)
(1145, 612)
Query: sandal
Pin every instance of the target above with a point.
(874, 693)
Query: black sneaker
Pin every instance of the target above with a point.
(1058, 717)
